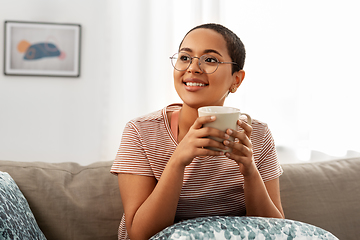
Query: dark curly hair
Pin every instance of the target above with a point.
(235, 46)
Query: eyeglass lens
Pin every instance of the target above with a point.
(207, 63)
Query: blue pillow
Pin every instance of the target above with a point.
(16, 219)
(242, 228)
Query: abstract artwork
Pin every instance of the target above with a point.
(42, 49)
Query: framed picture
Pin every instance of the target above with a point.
(42, 49)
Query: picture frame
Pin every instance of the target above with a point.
(42, 49)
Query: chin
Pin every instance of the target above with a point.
(199, 105)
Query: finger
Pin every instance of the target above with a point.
(208, 142)
(209, 152)
(240, 136)
(247, 128)
(239, 149)
(240, 153)
(213, 132)
(200, 121)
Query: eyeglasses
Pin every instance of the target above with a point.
(207, 63)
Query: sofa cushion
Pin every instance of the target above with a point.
(70, 201)
(325, 194)
(242, 228)
(16, 219)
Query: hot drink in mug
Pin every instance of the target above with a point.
(226, 118)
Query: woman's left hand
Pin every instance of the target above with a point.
(242, 150)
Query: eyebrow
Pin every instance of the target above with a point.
(205, 51)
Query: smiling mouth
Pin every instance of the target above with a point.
(195, 84)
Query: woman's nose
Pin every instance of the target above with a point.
(195, 65)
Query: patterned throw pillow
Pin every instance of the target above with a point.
(242, 228)
(16, 219)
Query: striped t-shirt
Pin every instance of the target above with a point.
(211, 186)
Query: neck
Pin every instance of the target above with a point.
(187, 117)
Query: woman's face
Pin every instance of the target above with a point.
(196, 88)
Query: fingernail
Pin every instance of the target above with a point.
(227, 136)
(229, 131)
(212, 117)
(226, 142)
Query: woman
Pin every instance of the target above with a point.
(166, 172)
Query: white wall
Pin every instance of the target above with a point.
(305, 52)
(60, 119)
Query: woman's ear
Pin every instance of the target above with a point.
(238, 79)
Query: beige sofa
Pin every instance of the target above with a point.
(70, 201)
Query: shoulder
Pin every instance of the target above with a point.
(153, 118)
(147, 120)
(261, 135)
(258, 124)
(259, 128)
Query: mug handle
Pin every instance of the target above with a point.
(249, 120)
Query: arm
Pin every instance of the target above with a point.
(261, 199)
(150, 206)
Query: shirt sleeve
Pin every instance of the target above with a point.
(268, 165)
(131, 157)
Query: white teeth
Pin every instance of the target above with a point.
(194, 84)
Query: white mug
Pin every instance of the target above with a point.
(226, 117)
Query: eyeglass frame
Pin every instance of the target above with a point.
(191, 59)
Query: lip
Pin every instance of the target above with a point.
(196, 80)
(194, 88)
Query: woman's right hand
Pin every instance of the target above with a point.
(196, 142)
